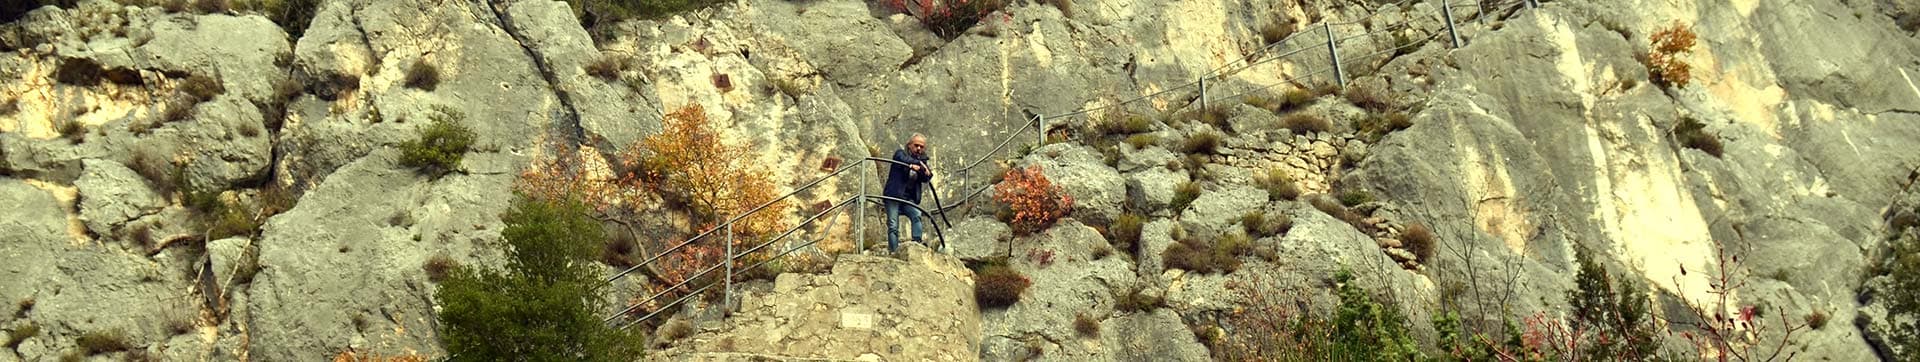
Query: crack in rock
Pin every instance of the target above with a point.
(570, 120)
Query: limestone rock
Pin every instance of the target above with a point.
(113, 195)
(1157, 336)
(1097, 190)
(979, 238)
(1215, 210)
(1153, 188)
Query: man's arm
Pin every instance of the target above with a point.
(902, 157)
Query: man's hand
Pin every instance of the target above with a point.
(916, 167)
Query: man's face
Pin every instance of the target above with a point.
(918, 146)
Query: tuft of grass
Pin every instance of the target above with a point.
(179, 324)
(1142, 141)
(422, 75)
(1419, 239)
(618, 251)
(1201, 257)
(1352, 198)
(1274, 32)
(441, 145)
(212, 6)
(98, 342)
(1202, 143)
(1693, 134)
(676, 329)
(21, 334)
(1279, 185)
(1133, 300)
(200, 88)
(1817, 320)
(1370, 98)
(1262, 102)
(1086, 326)
(23, 307)
(1304, 123)
(1334, 208)
(72, 130)
(1295, 99)
(609, 66)
(1126, 231)
(1131, 124)
(439, 267)
(1184, 195)
(1259, 225)
(999, 286)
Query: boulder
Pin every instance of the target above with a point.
(1067, 282)
(979, 238)
(1215, 210)
(111, 195)
(1153, 188)
(1159, 335)
(1097, 190)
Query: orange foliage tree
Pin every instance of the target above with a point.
(688, 164)
(1669, 44)
(1035, 201)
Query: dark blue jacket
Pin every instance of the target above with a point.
(903, 182)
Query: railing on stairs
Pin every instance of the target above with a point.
(1037, 123)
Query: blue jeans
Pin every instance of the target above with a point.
(894, 209)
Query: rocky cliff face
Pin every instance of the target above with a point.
(1541, 134)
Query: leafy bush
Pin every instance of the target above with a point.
(1202, 143)
(1086, 326)
(689, 164)
(1035, 201)
(1271, 327)
(98, 342)
(1664, 63)
(1899, 263)
(441, 145)
(422, 75)
(1184, 195)
(1257, 224)
(1126, 231)
(999, 286)
(1417, 238)
(1693, 134)
(948, 19)
(1302, 123)
(543, 305)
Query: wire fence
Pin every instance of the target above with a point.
(1336, 64)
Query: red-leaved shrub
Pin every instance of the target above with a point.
(1035, 201)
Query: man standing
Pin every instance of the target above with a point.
(903, 182)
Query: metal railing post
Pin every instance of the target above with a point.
(860, 217)
(726, 296)
(1339, 76)
(1203, 95)
(1446, 10)
(1041, 121)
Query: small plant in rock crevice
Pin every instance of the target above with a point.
(1668, 45)
(441, 144)
(1693, 134)
(422, 75)
(999, 286)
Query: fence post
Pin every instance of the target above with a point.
(726, 297)
(1203, 95)
(1447, 11)
(1339, 77)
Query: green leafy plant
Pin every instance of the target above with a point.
(544, 304)
(441, 145)
(1352, 198)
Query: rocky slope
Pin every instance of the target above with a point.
(1541, 134)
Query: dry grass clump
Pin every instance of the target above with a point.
(609, 66)
(1279, 185)
(1419, 239)
(1202, 143)
(98, 342)
(1142, 141)
(1125, 231)
(1198, 256)
(1184, 195)
(1693, 134)
(999, 286)
(439, 267)
(1274, 32)
(1259, 225)
(1086, 326)
(1305, 123)
(422, 75)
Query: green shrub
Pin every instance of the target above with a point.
(1202, 143)
(422, 75)
(545, 303)
(1302, 123)
(1693, 135)
(440, 146)
(999, 286)
(98, 342)
(20, 334)
(1086, 326)
(1364, 326)
(1618, 314)
(1259, 225)
(1142, 141)
(1900, 262)
(1184, 195)
(1352, 198)
(1126, 231)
